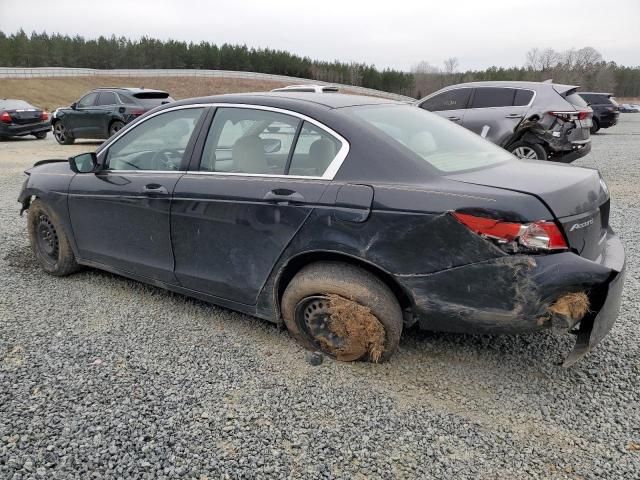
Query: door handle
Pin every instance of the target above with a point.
(154, 189)
(514, 115)
(454, 118)
(283, 195)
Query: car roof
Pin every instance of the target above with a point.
(337, 100)
(596, 93)
(129, 89)
(511, 83)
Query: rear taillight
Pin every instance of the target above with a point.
(541, 235)
(44, 116)
(5, 117)
(576, 115)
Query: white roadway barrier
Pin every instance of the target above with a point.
(44, 72)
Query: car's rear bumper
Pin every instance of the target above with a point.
(21, 130)
(578, 151)
(512, 294)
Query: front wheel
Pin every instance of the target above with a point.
(343, 311)
(115, 128)
(61, 134)
(40, 135)
(49, 242)
(528, 151)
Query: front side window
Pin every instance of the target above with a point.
(314, 152)
(245, 140)
(88, 100)
(155, 144)
(455, 99)
(487, 97)
(444, 145)
(107, 98)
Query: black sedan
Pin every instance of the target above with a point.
(347, 218)
(19, 119)
(100, 113)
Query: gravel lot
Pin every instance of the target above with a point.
(102, 377)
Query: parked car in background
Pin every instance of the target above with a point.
(307, 88)
(401, 218)
(628, 108)
(605, 109)
(104, 111)
(533, 120)
(19, 118)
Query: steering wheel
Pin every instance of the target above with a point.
(167, 159)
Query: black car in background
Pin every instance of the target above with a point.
(19, 118)
(605, 109)
(103, 111)
(348, 218)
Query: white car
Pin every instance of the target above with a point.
(308, 88)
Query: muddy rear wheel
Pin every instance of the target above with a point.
(343, 311)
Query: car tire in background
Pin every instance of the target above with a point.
(595, 126)
(528, 151)
(49, 241)
(366, 303)
(40, 135)
(115, 127)
(61, 134)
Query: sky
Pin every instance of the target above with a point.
(396, 34)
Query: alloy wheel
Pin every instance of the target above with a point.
(60, 132)
(527, 153)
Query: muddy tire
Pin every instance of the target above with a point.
(304, 307)
(49, 242)
(528, 151)
(595, 126)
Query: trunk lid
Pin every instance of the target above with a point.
(25, 116)
(576, 197)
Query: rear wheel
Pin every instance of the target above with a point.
(343, 311)
(40, 135)
(115, 127)
(595, 126)
(49, 242)
(528, 151)
(61, 134)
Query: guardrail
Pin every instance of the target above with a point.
(44, 72)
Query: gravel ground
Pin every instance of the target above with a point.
(102, 377)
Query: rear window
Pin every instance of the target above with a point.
(446, 146)
(15, 105)
(593, 98)
(152, 99)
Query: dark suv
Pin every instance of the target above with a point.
(102, 112)
(532, 120)
(605, 109)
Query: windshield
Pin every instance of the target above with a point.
(445, 146)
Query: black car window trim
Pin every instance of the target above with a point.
(328, 174)
(473, 93)
(194, 164)
(188, 151)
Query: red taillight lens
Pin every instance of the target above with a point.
(569, 116)
(584, 114)
(541, 235)
(44, 116)
(5, 117)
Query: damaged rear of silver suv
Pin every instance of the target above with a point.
(532, 120)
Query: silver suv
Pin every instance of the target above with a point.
(533, 120)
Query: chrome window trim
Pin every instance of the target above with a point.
(328, 174)
(535, 94)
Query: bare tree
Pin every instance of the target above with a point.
(451, 65)
(533, 56)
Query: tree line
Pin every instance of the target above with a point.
(585, 67)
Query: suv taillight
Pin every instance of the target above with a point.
(569, 116)
(541, 235)
(5, 117)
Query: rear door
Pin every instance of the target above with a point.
(495, 112)
(106, 105)
(450, 104)
(238, 208)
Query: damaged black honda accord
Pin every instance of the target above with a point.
(347, 218)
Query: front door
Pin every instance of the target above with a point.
(120, 215)
(261, 174)
(81, 120)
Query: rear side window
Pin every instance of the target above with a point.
(314, 152)
(487, 97)
(592, 98)
(107, 98)
(522, 98)
(450, 100)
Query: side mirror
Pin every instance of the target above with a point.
(73, 106)
(84, 163)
